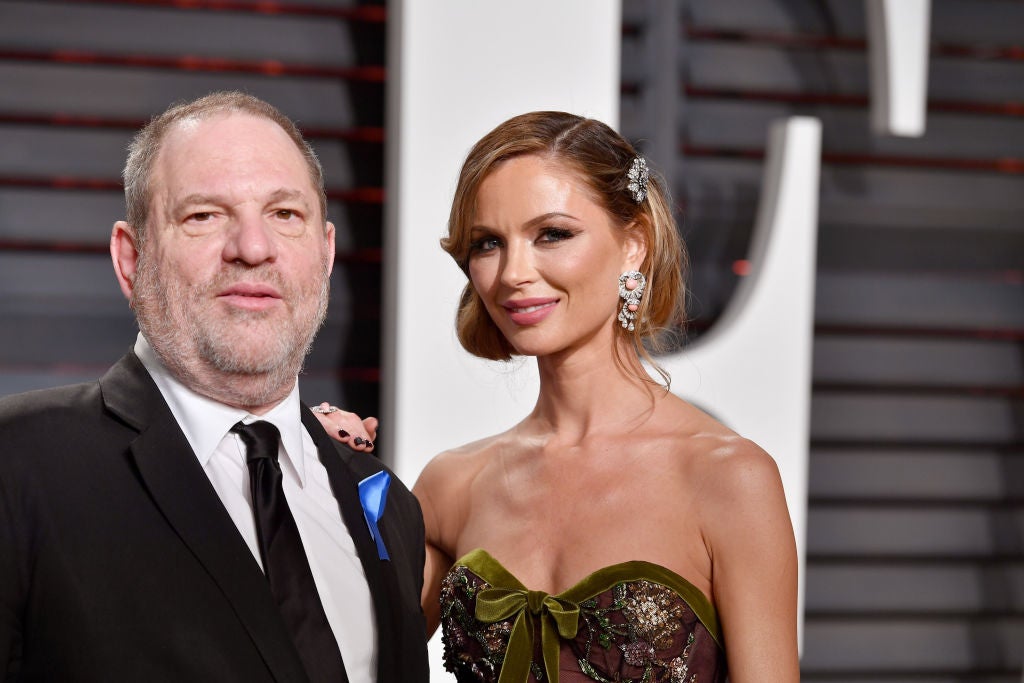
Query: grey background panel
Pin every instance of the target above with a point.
(170, 32)
(865, 193)
(916, 588)
(915, 417)
(734, 124)
(956, 21)
(923, 300)
(897, 531)
(922, 362)
(874, 474)
(138, 93)
(764, 67)
(912, 645)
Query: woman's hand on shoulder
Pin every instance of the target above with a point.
(348, 428)
(754, 563)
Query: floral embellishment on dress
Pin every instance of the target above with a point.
(654, 611)
(496, 636)
(637, 653)
(470, 646)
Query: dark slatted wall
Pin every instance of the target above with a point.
(916, 525)
(78, 77)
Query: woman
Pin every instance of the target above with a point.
(616, 533)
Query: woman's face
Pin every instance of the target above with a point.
(546, 258)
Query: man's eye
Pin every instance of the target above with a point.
(201, 216)
(285, 214)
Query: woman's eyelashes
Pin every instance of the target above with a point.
(484, 244)
(544, 236)
(548, 235)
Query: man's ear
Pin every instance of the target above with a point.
(330, 247)
(124, 253)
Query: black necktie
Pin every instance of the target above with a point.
(284, 558)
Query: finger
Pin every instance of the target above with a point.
(328, 422)
(350, 422)
(347, 427)
(370, 424)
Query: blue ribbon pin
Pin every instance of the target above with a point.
(373, 496)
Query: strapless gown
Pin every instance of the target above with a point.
(634, 621)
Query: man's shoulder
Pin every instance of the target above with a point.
(57, 405)
(364, 465)
(49, 405)
(49, 425)
(42, 430)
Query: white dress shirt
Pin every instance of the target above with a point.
(330, 550)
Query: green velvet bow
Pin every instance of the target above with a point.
(558, 617)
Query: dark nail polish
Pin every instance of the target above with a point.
(358, 441)
(342, 433)
(369, 445)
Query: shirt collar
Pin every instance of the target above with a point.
(205, 422)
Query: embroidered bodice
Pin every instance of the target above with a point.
(629, 622)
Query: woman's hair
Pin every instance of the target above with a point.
(602, 158)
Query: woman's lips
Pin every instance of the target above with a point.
(529, 311)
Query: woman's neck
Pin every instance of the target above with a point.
(590, 391)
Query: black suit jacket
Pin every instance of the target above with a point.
(118, 561)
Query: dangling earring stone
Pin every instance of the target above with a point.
(631, 288)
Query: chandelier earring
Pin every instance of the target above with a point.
(631, 288)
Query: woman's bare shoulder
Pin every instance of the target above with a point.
(717, 455)
(737, 481)
(444, 490)
(457, 467)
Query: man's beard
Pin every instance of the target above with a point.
(201, 343)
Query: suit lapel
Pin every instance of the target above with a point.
(380, 575)
(182, 491)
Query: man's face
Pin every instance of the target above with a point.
(232, 283)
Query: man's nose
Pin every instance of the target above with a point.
(250, 240)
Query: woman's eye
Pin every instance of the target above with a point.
(554, 235)
(484, 244)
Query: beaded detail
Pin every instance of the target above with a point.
(635, 630)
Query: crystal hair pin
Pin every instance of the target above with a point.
(638, 176)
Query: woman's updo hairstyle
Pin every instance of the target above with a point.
(602, 158)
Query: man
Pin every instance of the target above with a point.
(185, 518)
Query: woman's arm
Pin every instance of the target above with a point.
(754, 565)
(430, 491)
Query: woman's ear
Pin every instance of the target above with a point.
(124, 253)
(634, 246)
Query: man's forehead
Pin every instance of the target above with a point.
(202, 145)
(223, 127)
